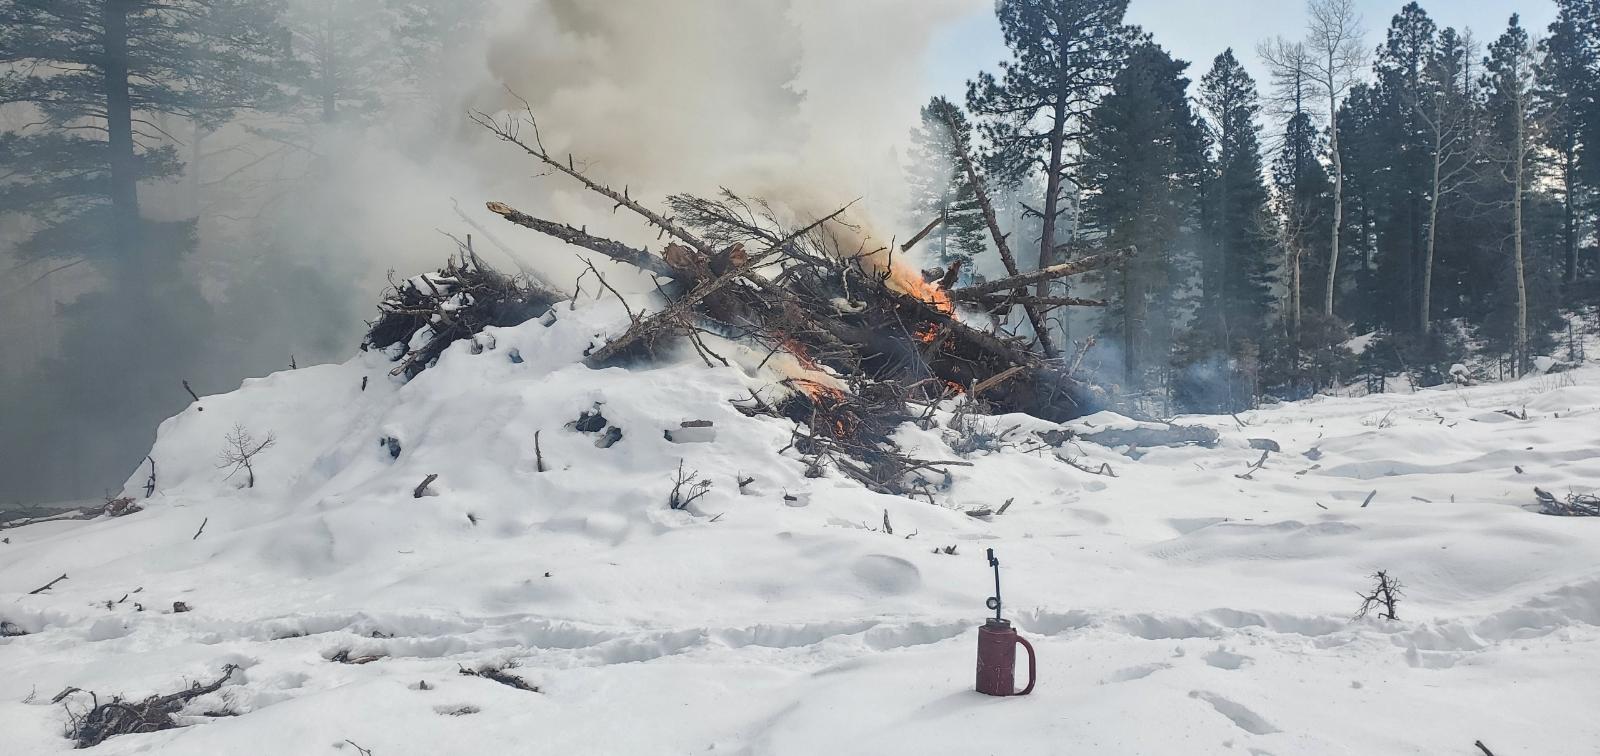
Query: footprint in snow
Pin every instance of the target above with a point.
(1238, 713)
(1139, 672)
(1222, 658)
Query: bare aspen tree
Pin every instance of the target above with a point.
(1331, 57)
(1512, 64)
(1290, 67)
(1445, 110)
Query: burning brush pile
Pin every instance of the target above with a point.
(879, 343)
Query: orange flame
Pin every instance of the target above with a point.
(909, 280)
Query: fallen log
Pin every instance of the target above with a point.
(618, 251)
(508, 132)
(978, 292)
(994, 300)
(1172, 435)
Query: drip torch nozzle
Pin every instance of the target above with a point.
(994, 601)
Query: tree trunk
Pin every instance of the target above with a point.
(124, 165)
(1569, 177)
(1520, 357)
(1338, 193)
(1425, 312)
(1134, 324)
(1052, 199)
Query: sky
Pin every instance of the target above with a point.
(1197, 31)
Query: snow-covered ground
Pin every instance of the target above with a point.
(1176, 608)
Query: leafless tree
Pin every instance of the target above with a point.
(1516, 83)
(1331, 59)
(241, 451)
(1446, 113)
(1385, 596)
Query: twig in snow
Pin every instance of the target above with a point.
(1260, 463)
(201, 530)
(1005, 506)
(150, 483)
(682, 496)
(422, 488)
(887, 528)
(538, 453)
(47, 586)
(191, 391)
(1369, 498)
(119, 717)
(363, 383)
(359, 749)
(500, 675)
(1484, 748)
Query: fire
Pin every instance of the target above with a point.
(926, 333)
(907, 279)
(818, 391)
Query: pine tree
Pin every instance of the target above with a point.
(345, 55)
(1446, 110)
(98, 71)
(1402, 187)
(1219, 359)
(1064, 55)
(939, 186)
(1140, 168)
(1235, 277)
(1509, 82)
(1569, 103)
(1303, 198)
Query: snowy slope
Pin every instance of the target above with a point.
(1177, 609)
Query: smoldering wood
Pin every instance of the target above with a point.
(872, 340)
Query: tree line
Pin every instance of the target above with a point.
(1441, 193)
(130, 130)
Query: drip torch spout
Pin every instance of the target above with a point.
(994, 601)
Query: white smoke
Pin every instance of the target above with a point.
(806, 103)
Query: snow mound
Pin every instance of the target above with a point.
(787, 614)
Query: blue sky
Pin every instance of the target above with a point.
(1197, 30)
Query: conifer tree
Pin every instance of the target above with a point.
(1235, 273)
(1064, 55)
(98, 71)
(939, 185)
(1140, 168)
(1516, 135)
(1569, 103)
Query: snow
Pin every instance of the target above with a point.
(1176, 608)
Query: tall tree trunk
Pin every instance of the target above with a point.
(1338, 194)
(1052, 201)
(1425, 312)
(1520, 357)
(1569, 177)
(123, 164)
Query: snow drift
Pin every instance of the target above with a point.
(1176, 607)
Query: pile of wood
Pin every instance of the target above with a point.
(877, 341)
(421, 316)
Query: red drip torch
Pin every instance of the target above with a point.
(997, 649)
